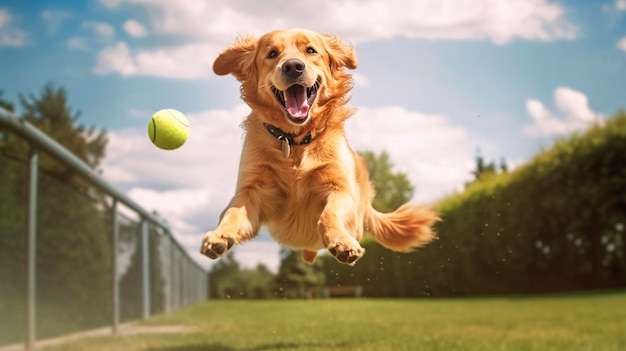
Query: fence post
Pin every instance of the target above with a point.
(31, 247)
(115, 285)
(167, 277)
(181, 260)
(198, 279)
(145, 256)
(205, 285)
(171, 259)
(185, 277)
(179, 282)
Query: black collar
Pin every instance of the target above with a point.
(287, 137)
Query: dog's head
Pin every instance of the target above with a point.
(290, 78)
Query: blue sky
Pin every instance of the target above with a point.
(437, 80)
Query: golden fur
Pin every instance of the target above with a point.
(319, 196)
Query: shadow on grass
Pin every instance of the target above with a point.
(267, 347)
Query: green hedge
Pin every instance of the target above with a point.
(555, 223)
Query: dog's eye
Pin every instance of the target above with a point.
(310, 50)
(272, 54)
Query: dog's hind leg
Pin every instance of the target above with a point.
(341, 228)
(309, 256)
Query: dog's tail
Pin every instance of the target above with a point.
(404, 229)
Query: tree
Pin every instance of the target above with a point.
(224, 270)
(228, 280)
(262, 283)
(504, 168)
(5, 104)
(392, 188)
(295, 276)
(9, 106)
(482, 169)
(486, 170)
(52, 115)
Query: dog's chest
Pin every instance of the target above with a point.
(307, 179)
(301, 186)
(292, 209)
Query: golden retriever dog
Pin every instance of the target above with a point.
(298, 175)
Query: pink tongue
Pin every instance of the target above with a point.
(296, 102)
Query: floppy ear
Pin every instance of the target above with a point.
(238, 59)
(341, 55)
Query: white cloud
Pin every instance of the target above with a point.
(116, 59)
(573, 114)
(102, 29)
(621, 44)
(99, 33)
(136, 113)
(250, 254)
(499, 21)
(212, 26)
(54, 19)
(77, 43)
(190, 61)
(190, 186)
(175, 205)
(135, 29)
(111, 3)
(9, 34)
(620, 5)
(436, 156)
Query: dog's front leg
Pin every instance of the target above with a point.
(341, 227)
(239, 222)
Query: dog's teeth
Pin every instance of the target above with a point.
(280, 96)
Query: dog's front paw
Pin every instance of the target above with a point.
(215, 245)
(345, 252)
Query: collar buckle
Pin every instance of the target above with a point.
(286, 139)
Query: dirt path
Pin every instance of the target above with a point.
(125, 329)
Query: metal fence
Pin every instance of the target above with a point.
(74, 259)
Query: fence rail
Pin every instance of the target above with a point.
(179, 279)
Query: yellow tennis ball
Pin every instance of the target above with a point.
(168, 129)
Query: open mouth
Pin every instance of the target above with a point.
(297, 101)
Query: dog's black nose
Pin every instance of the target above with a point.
(293, 67)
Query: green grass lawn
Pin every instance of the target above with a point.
(564, 322)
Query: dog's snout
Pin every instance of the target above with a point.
(293, 67)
